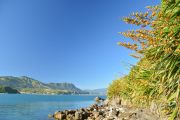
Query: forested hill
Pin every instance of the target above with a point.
(30, 85)
(8, 90)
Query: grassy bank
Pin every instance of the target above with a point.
(156, 77)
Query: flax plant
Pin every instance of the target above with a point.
(156, 43)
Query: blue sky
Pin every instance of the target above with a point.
(66, 40)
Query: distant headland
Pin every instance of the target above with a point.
(27, 85)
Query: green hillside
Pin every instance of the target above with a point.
(29, 85)
(8, 90)
(65, 86)
(21, 82)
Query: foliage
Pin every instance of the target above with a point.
(156, 77)
(8, 90)
(116, 88)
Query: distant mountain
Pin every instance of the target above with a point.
(21, 82)
(65, 86)
(8, 90)
(101, 91)
(29, 85)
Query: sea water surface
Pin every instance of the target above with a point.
(37, 107)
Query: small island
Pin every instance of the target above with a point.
(8, 90)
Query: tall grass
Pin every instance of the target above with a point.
(156, 77)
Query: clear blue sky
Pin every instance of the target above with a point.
(66, 40)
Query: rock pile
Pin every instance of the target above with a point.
(105, 112)
(98, 99)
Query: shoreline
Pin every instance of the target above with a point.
(53, 94)
(106, 111)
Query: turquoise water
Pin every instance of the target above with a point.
(37, 107)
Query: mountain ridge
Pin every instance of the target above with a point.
(26, 84)
(100, 91)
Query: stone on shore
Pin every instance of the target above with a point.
(106, 112)
(98, 99)
(60, 116)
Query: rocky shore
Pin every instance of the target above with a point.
(105, 111)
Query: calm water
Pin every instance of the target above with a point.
(37, 107)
